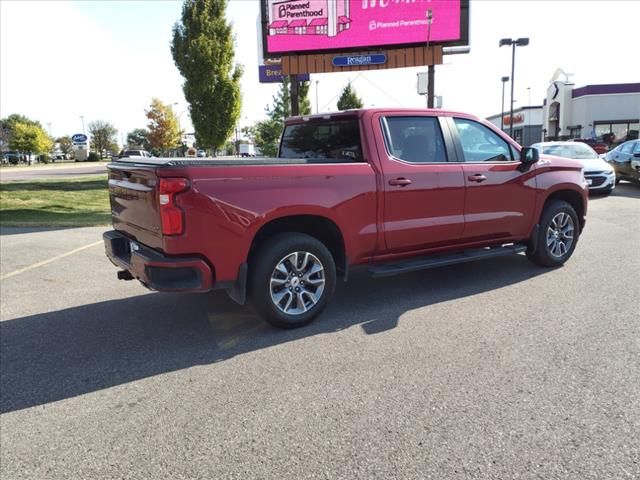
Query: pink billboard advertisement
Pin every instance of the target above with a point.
(320, 25)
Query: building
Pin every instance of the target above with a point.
(607, 113)
(527, 124)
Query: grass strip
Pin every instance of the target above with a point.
(64, 202)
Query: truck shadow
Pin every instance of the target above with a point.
(57, 355)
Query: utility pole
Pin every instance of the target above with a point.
(504, 80)
(295, 108)
(431, 72)
(520, 42)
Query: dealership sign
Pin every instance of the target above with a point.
(79, 138)
(273, 74)
(356, 60)
(291, 26)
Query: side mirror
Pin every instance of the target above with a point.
(529, 155)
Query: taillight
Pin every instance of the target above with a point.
(171, 215)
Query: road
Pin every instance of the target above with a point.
(492, 370)
(42, 173)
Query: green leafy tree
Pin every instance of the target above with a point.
(31, 138)
(349, 99)
(203, 51)
(8, 125)
(103, 136)
(265, 134)
(304, 104)
(66, 145)
(139, 138)
(164, 129)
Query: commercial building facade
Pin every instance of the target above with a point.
(608, 113)
(527, 124)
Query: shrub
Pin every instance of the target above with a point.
(93, 157)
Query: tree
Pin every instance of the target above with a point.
(66, 145)
(203, 51)
(349, 99)
(139, 138)
(31, 138)
(304, 103)
(164, 130)
(103, 136)
(265, 134)
(8, 125)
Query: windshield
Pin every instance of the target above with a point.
(578, 151)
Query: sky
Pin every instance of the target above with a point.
(105, 60)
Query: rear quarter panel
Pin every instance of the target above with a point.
(226, 206)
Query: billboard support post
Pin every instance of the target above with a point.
(295, 106)
(430, 86)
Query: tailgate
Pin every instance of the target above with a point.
(134, 202)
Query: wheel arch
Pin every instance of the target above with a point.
(320, 227)
(572, 197)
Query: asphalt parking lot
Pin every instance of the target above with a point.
(498, 369)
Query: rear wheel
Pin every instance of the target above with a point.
(557, 235)
(292, 280)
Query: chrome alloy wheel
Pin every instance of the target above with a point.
(560, 234)
(297, 283)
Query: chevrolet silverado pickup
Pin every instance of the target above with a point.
(389, 190)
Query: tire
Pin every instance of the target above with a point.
(557, 236)
(272, 273)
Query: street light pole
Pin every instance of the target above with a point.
(317, 109)
(504, 80)
(520, 42)
(82, 118)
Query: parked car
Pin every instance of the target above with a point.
(202, 154)
(601, 148)
(387, 190)
(599, 174)
(625, 159)
(247, 150)
(11, 157)
(133, 153)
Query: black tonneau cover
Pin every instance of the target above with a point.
(218, 161)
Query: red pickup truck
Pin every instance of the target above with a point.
(392, 190)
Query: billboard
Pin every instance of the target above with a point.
(306, 26)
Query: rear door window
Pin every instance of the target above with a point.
(414, 139)
(332, 140)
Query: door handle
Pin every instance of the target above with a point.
(478, 177)
(400, 182)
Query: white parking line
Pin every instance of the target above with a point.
(52, 259)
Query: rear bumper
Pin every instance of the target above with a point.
(155, 270)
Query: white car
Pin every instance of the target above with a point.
(600, 176)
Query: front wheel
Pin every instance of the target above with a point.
(292, 279)
(557, 236)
